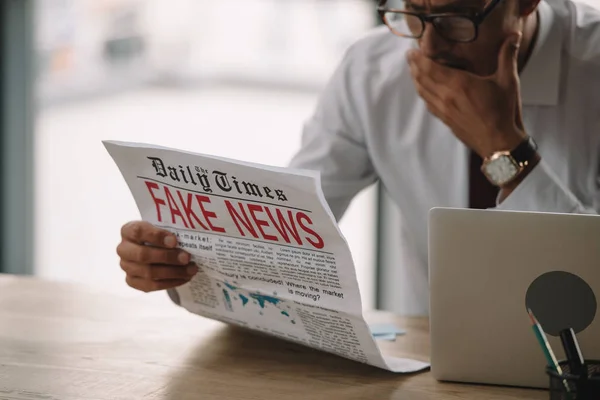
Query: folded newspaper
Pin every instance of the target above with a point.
(271, 255)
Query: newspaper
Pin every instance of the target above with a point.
(270, 253)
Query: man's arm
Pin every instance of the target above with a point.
(333, 140)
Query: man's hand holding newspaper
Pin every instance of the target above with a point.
(246, 244)
(151, 259)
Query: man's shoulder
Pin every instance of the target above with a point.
(377, 49)
(583, 31)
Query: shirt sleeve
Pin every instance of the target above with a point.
(542, 191)
(333, 141)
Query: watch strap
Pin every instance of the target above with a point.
(525, 151)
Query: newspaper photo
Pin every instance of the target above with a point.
(270, 253)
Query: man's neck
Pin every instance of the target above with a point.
(530, 33)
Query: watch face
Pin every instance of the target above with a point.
(501, 170)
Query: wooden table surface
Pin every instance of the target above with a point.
(64, 342)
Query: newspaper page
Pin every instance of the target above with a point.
(270, 253)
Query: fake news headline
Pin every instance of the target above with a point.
(252, 219)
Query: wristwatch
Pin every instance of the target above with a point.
(504, 166)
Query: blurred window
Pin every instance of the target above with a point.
(236, 78)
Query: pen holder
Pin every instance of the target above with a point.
(580, 386)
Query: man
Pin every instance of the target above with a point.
(450, 88)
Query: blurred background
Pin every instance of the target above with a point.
(235, 78)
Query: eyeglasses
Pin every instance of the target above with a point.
(456, 27)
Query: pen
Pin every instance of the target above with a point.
(572, 351)
(548, 353)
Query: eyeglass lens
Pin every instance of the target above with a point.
(404, 24)
(456, 28)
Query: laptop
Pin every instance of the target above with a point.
(486, 268)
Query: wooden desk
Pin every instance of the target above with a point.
(66, 342)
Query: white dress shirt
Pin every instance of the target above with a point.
(370, 123)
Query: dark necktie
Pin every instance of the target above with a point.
(482, 194)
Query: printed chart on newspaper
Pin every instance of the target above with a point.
(271, 255)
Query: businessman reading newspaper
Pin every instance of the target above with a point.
(270, 254)
(489, 104)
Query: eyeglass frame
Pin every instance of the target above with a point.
(476, 18)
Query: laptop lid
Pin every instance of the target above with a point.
(486, 267)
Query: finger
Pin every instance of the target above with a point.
(427, 83)
(439, 109)
(518, 112)
(144, 232)
(151, 286)
(159, 272)
(428, 91)
(130, 251)
(433, 102)
(507, 73)
(425, 66)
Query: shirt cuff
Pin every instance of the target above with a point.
(541, 191)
